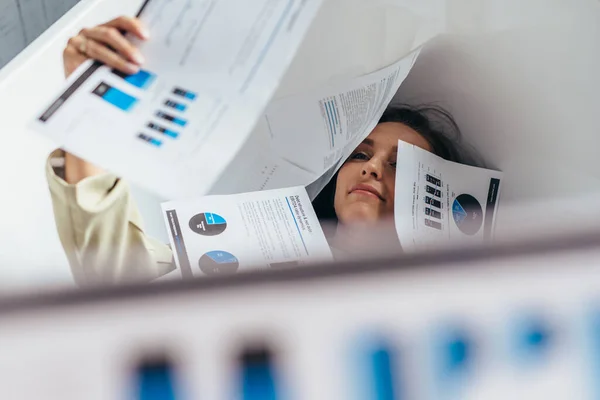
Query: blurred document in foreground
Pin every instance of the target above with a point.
(211, 68)
(439, 201)
(216, 235)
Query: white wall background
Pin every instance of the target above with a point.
(520, 76)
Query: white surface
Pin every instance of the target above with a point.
(528, 101)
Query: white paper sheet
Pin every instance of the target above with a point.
(224, 234)
(438, 201)
(305, 138)
(211, 68)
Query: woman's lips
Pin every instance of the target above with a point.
(367, 190)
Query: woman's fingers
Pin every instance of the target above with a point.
(99, 51)
(111, 36)
(72, 58)
(107, 44)
(130, 25)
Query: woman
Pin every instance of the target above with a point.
(362, 192)
(97, 219)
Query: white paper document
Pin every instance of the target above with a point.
(211, 68)
(438, 201)
(305, 138)
(273, 229)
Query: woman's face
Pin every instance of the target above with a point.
(366, 182)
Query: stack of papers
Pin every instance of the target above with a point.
(184, 125)
(197, 123)
(437, 202)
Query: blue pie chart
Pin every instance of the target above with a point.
(218, 262)
(208, 224)
(467, 214)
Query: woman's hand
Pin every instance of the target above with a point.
(107, 44)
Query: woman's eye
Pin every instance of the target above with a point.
(393, 164)
(359, 156)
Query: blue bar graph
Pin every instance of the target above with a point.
(115, 96)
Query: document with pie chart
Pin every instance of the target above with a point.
(227, 234)
(439, 201)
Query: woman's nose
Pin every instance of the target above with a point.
(374, 168)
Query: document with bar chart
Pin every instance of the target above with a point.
(221, 235)
(177, 123)
(439, 202)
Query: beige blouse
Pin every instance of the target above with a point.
(102, 231)
(103, 235)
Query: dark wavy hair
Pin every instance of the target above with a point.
(433, 123)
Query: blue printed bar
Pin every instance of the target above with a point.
(453, 362)
(532, 339)
(163, 130)
(175, 105)
(454, 354)
(143, 79)
(171, 118)
(150, 139)
(257, 376)
(382, 375)
(155, 381)
(375, 369)
(171, 133)
(184, 93)
(115, 96)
